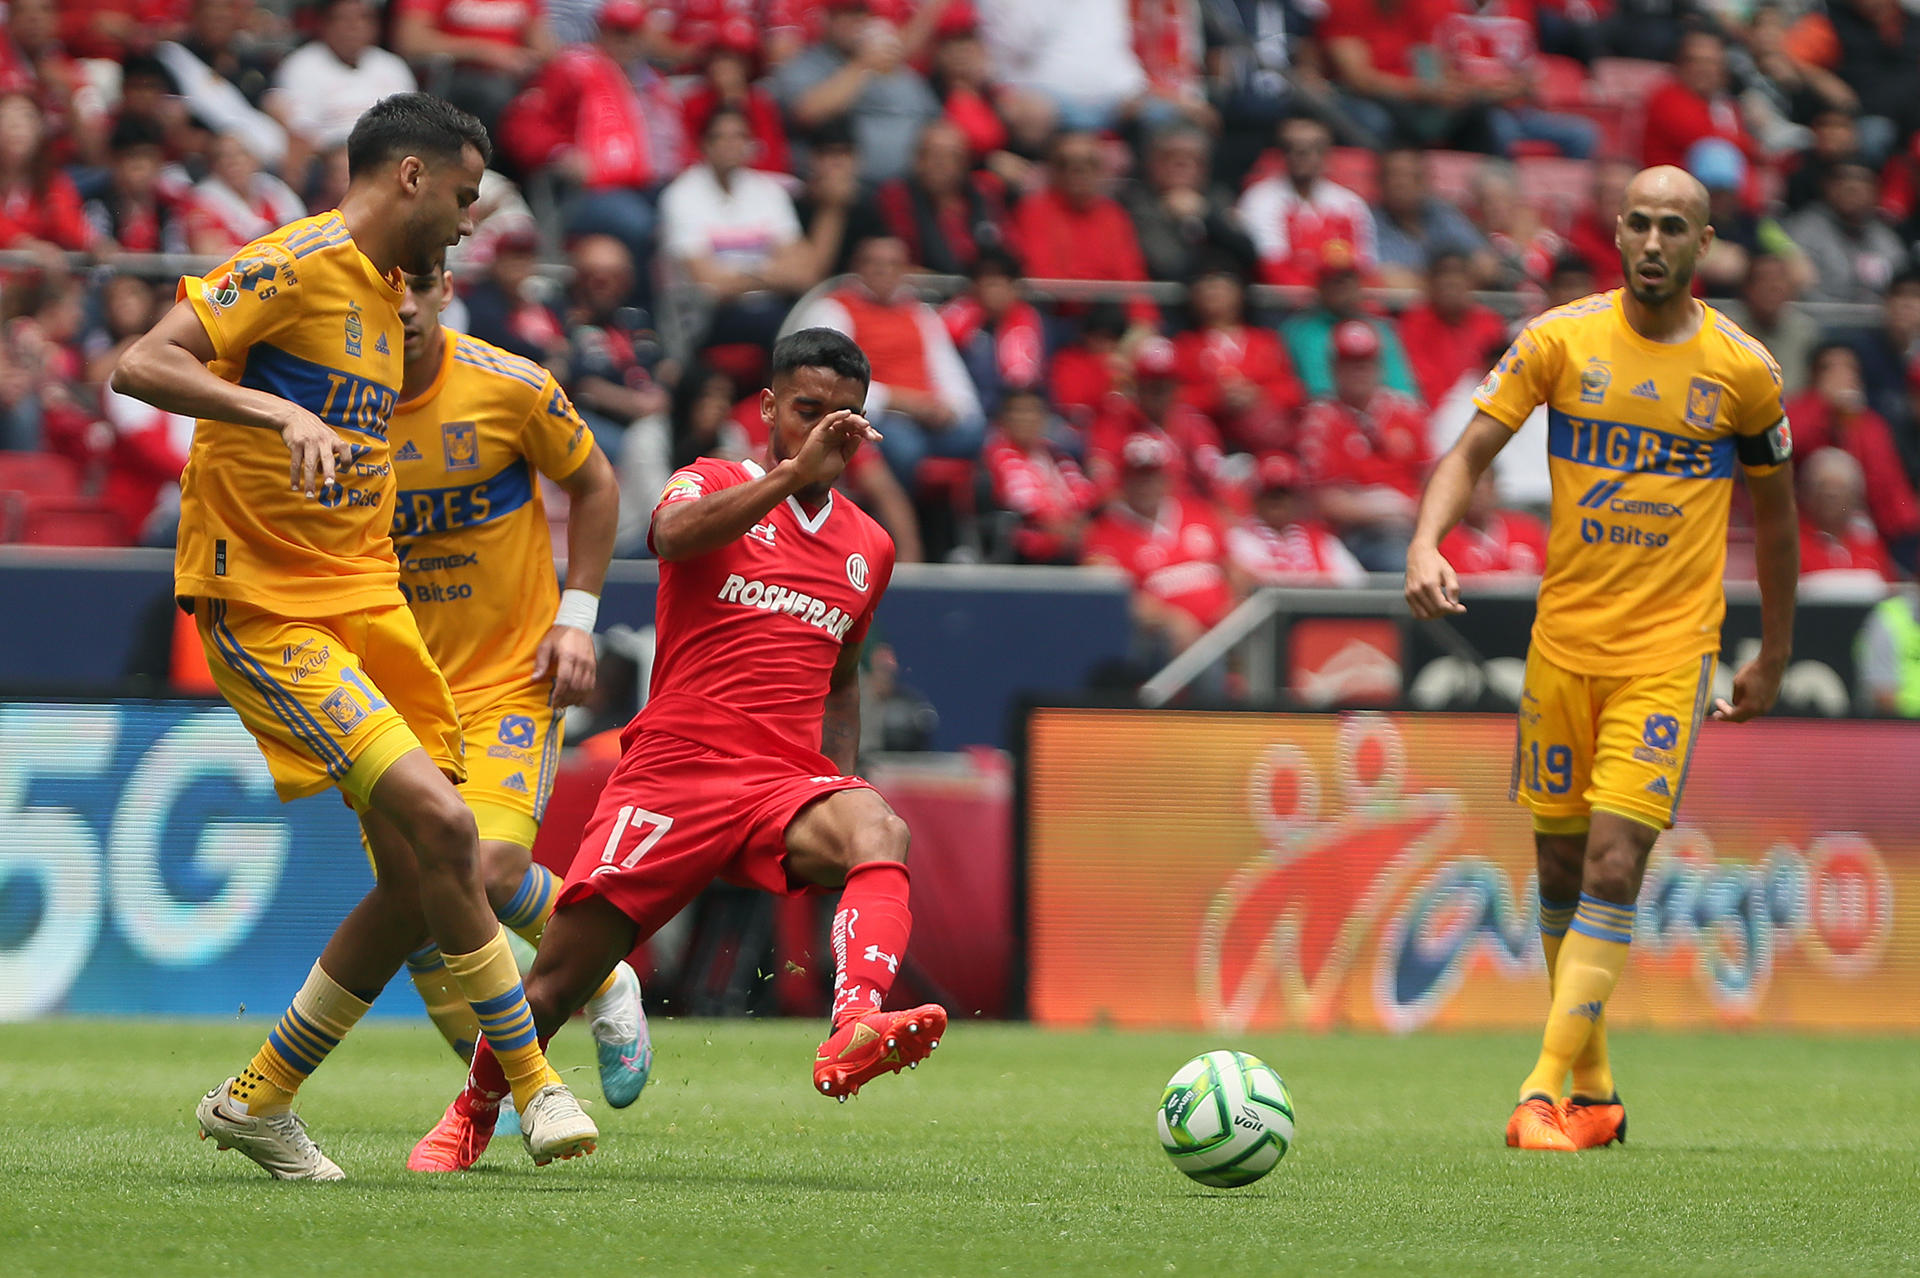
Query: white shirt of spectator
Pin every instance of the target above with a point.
(319, 97)
(266, 204)
(1080, 50)
(1294, 556)
(944, 365)
(1274, 213)
(1520, 473)
(741, 227)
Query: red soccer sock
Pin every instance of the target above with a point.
(870, 931)
(486, 1080)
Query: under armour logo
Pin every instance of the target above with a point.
(876, 955)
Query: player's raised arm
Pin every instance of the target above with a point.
(167, 367)
(1776, 550)
(1432, 588)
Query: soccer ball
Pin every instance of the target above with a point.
(1226, 1119)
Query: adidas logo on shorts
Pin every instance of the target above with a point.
(517, 783)
(1659, 786)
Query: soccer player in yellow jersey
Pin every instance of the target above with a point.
(290, 357)
(474, 428)
(1652, 397)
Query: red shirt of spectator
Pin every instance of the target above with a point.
(1391, 30)
(1281, 546)
(1858, 549)
(582, 101)
(1047, 490)
(1195, 458)
(730, 70)
(1300, 222)
(1503, 541)
(1450, 334)
(503, 22)
(1019, 341)
(1832, 413)
(1070, 231)
(1174, 554)
(1367, 436)
(1488, 43)
(52, 213)
(1166, 39)
(1235, 373)
(1693, 105)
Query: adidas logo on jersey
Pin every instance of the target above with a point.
(1647, 390)
(774, 598)
(1659, 786)
(517, 783)
(407, 452)
(380, 346)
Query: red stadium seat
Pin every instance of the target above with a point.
(72, 521)
(1453, 173)
(42, 474)
(1557, 187)
(1621, 80)
(1357, 169)
(1562, 83)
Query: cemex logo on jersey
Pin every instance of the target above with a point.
(771, 597)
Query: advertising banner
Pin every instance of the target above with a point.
(1259, 871)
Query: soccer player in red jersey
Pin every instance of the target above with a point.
(739, 768)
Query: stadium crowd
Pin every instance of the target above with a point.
(673, 179)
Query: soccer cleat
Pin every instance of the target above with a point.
(1535, 1124)
(509, 1124)
(1594, 1124)
(878, 1043)
(278, 1142)
(621, 1038)
(456, 1141)
(554, 1126)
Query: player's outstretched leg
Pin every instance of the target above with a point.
(853, 838)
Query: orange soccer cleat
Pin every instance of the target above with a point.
(1593, 1124)
(1536, 1125)
(456, 1141)
(878, 1043)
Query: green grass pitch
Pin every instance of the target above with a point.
(1012, 1151)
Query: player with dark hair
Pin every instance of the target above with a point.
(290, 356)
(740, 766)
(1652, 397)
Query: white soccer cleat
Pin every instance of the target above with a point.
(621, 1038)
(278, 1142)
(554, 1126)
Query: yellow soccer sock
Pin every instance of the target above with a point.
(532, 904)
(311, 1027)
(492, 984)
(1592, 1074)
(1585, 971)
(447, 1007)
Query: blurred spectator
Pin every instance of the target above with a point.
(1070, 230)
(1195, 460)
(1592, 234)
(1855, 254)
(490, 46)
(1393, 83)
(1298, 219)
(1571, 279)
(224, 79)
(1037, 482)
(1887, 657)
(1412, 224)
(728, 79)
(1167, 41)
(1889, 355)
(1490, 46)
(148, 452)
(1067, 64)
(903, 718)
(1833, 413)
(1366, 451)
(1489, 541)
(1084, 372)
(236, 202)
(1449, 335)
(1000, 337)
(1767, 310)
(1696, 103)
(1234, 372)
(697, 422)
(1256, 62)
(944, 213)
(733, 232)
(921, 399)
(1283, 544)
(1837, 540)
(48, 406)
(106, 29)
(1177, 213)
(505, 308)
(1738, 234)
(610, 385)
(1879, 49)
(1169, 545)
(833, 217)
(146, 93)
(963, 82)
(323, 86)
(1784, 94)
(1834, 138)
(857, 73)
(1524, 246)
(129, 210)
(128, 308)
(1308, 335)
(39, 206)
(34, 61)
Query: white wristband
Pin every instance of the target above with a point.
(578, 609)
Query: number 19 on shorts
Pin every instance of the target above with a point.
(1556, 777)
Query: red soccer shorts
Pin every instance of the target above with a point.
(675, 816)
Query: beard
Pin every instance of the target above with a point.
(1675, 283)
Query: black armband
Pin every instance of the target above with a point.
(1769, 448)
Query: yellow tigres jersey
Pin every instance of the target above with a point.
(1642, 437)
(476, 561)
(301, 314)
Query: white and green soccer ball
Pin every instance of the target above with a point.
(1226, 1119)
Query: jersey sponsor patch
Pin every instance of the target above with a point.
(516, 730)
(681, 488)
(771, 597)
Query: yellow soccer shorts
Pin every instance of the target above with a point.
(1617, 744)
(331, 702)
(513, 752)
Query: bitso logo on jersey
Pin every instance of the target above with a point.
(857, 571)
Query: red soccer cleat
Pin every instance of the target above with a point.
(456, 1141)
(1535, 1124)
(878, 1043)
(1591, 1124)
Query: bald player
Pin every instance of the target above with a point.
(1653, 398)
